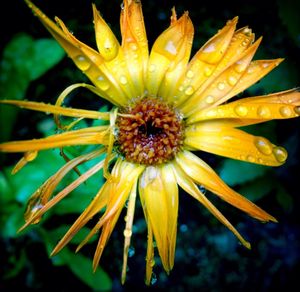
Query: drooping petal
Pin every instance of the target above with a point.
(85, 58)
(86, 136)
(134, 43)
(214, 93)
(280, 105)
(203, 174)
(216, 138)
(158, 190)
(168, 49)
(204, 63)
(37, 213)
(187, 184)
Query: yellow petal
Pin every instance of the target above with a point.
(204, 63)
(149, 255)
(230, 142)
(178, 66)
(134, 43)
(218, 90)
(187, 184)
(165, 52)
(36, 215)
(91, 135)
(204, 175)
(53, 109)
(28, 156)
(85, 58)
(153, 195)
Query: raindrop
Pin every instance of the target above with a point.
(285, 111)
(221, 85)
(202, 189)
(245, 43)
(102, 83)
(207, 72)
(250, 158)
(123, 80)
(280, 154)
(263, 146)
(131, 251)
(153, 279)
(263, 112)
(181, 88)
(189, 90)
(241, 110)
(127, 232)
(209, 99)
(232, 80)
(82, 63)
(297, 110)
(152, 68)
(190, 74)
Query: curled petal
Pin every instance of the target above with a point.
(202, 174)
(216, 138)
(187, 184)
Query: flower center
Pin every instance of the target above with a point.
(149, 132)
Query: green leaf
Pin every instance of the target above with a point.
(24, 60)
(235, 172)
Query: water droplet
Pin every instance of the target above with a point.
(209, 99)
(245, 43)
(127, 232)
(152, 263)
(209, 48)
(181, 88)
(297, 110)
(247, 31)
(131, 251)
(250, 158)
(189, 74)
(189, 90)
(152, 68)
(170, 48)
(207, 72)
(263, 145)
(232, 80)
(285, 111)
(123, 80)
(202, 189)
(280, 154)
(221, 85)
(82, 63)
(133, 47)
(240, 66)
(153, 279)
(241, 110)
(102, 83)
(264, 111)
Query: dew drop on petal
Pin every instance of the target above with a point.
(82, 63)
(152, 68)
(209, 99)
(123, 80)
(264, 112)
(263, 145)
(127, 232)
(232, 80)
(221, 85)
(250, 158)
(153, 279)
(207, 72)
(189, 74)
(241, 110)
(285, 111)
(189, 90)
(297, 110)
(102, 83)
(280, 154)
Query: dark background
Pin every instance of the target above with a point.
(208, 257)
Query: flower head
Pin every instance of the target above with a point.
(165, 106)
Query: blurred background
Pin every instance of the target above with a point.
(208, 256)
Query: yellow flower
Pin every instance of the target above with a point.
(165, 107)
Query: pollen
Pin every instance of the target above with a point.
(149, 132)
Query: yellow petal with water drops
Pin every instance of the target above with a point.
(85, 58)
(204, 175)
(215, 138)
(255, 71)
(108, 45)
(217, 91)
(188, 185)
(280, 105)
(204, 63)
(171, 197)
(164, 53)
(178, 66)
(28, 157)
(87, 136)
(153, 192)
(134, 42)
(59, 110)
(150, 262)
(97, 204)
(36, 215)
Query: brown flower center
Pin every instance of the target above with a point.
(149, 132)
